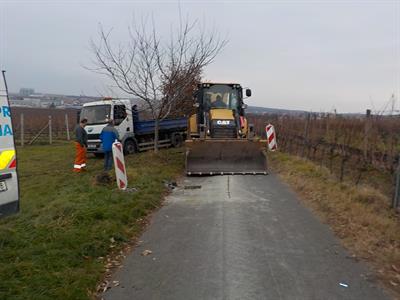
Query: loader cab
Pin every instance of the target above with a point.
(220, 111)
(221, 96)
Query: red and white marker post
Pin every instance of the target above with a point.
(270, 130)
(119, 164)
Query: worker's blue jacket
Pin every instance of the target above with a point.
(108, 136)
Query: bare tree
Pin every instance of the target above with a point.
(183, 106)
(155, 70)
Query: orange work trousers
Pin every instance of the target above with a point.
(80, 158)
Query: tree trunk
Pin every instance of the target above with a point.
(156, 134)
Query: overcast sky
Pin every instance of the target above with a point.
(311, 55)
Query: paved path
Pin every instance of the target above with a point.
(239, 237)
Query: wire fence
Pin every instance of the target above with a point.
(42, 126)
(357, 149)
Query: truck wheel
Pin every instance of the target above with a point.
(129, 147)
(98, 155)
(176, 140)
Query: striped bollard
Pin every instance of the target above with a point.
(270, 130)
(119, 164)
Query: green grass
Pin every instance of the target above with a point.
(51, 249)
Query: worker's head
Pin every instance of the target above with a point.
(110, 122)
(219, 98)
(83, 122)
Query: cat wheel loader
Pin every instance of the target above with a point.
(219, 139)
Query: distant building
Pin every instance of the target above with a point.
(26, 92)
(43, 100)
(28, 102)
(51, 101)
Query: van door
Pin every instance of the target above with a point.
(9, 192)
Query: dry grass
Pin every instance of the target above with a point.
(360, 216)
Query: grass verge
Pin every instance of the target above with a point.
(54, 248)
(360, 216)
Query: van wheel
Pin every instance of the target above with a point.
(129, 147)
(176, 140)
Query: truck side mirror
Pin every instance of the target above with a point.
(248, 92)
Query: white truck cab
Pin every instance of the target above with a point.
(9, 191)
(99, 112)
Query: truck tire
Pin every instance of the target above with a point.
(130, 147)
(176, 140)
(98, 155)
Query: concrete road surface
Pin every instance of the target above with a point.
(239, 237)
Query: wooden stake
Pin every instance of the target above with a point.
(366, 133)
(396, 200)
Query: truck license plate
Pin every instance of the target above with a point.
(3, 186)
(91, 146)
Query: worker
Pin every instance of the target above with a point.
(219, 103)
(135, 113)
(81, 139)
(108, 136)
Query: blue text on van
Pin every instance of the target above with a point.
(5, 111)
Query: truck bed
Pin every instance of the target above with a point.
(147, 127)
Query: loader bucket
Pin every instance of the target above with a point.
(213, 157)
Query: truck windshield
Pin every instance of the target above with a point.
(97, 114)
(221, 96)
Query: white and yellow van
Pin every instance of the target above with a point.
(9, 192)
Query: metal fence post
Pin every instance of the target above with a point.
(50, 132)
(67, 127)
(22, 129)
(367, 127)
(306, 129)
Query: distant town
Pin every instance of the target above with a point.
(27, 97)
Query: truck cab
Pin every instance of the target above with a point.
(99, 112)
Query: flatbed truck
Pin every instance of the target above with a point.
(135, 135)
